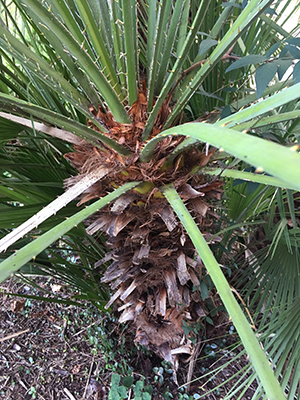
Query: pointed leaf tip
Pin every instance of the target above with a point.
(206, 44)
(246, 61)
(296, 72)
(264, 74)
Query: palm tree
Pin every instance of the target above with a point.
(118, 83)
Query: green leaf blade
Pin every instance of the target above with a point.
(246, 61)
(63, 122)
(86, 62)
(98, 44)
(264, 74)
(296, 72)
(25, 254)
(253, 348)
(264, 155)
(129, 9)
(206, 44)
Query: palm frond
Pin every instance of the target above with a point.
(107, 76)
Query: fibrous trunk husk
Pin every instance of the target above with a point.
(155, 271)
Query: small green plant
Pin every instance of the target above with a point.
(168, 395)
(192, 330)
(117, 391)
(32, 391)
(120, 388)
(142, 392)
(159, 377)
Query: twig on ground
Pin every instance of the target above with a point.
(192, 365)
(65, 324)
(4, 384)
(13, 335)
(69, 394)
(88, 380)
(84, 329)
(23, 384)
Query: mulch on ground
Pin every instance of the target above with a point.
(47, 352)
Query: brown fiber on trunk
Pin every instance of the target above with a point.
(155, 271)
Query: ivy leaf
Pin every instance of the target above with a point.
(296, 72)
(127, 381)
(115, 379)
(270, 11)
(293, 50)
(113, 393)
(225, 112)
(283, 65)
(272, 49)
(204, 290)
(285, 53)
(138, 389)
(294, 41)
(244, 4)
(264, 74)
(148, 389)
(247, 60)
(146, 396)
(206, 44)
(122, 392)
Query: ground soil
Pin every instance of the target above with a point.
(48, 351)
